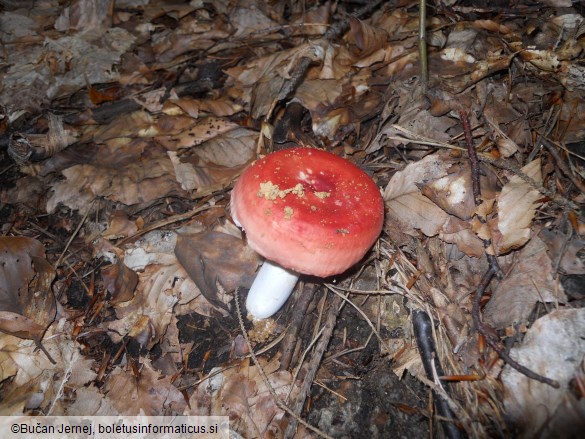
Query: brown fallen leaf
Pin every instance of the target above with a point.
(120, 282)
(27, 303)
(148, 393)
(407, 206)
(211, 257)
(241, 394)
(452, 193)
(119, 226)
(553, 347)
(530, 281)
(216, 162)
(517, 204)
(130, 171)
(367, 38)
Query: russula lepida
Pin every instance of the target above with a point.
(307, 211)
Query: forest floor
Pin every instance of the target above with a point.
(123, 128)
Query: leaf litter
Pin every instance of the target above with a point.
(125, 128)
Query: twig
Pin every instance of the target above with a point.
(277, 400)
(493, 270)
(165, 222)
(320, 348)
(422, 325)
(298, 75)
(73, 236)
(40, 346)
(289, 341)
(562, 165)
(422, 44)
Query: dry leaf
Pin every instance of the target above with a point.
(452, 193)
(126, 171)
(27, 303)
(180, 132)
(530, 281)
(32, 381)
(367, 38)
(243, 396)
(119, 226)
(460, 233)
(215, 162)
(148, 393)
(553, 347)
(211, 257)
(517, 204)
(570, 261)
(407, 207)
(120, 282)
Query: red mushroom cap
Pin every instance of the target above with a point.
(308, 210)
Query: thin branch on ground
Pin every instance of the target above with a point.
(277, 400)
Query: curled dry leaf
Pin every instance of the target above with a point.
(27, 304)
(452, 193)
(553, 347)
(408, 208)
(367, 38)
(120, 281)
(517, 204)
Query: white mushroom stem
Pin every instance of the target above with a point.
(271, 288)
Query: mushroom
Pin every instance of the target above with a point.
(307, 211)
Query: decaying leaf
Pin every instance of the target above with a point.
(242, 395)
(148, 393)
(120, 282)
(530, 281)
(553, 347)
(407, 206)
(211, 257)
(517, 204)
(27, 304)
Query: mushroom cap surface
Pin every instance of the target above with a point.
(308, 210)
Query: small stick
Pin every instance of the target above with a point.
(296, 321)
(316, 358)
(277, 400)
(422, 44)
